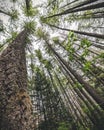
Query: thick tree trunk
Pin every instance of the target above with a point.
(15, 103)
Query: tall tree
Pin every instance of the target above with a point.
(59, 59)
(15, 103)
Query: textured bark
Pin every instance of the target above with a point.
(15, 103)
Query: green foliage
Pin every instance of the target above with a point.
(41, 81)
(101, 76)
(55, 39)
(101, 55)
(99, 58)
(55, 9)
(50, 21)
(43, 20)
(1, 47)
(69, 45)
(71, 52)
(72, 37)
(30, 26)
(47, 86)
(85, 43)
(1, 26)
(14, 14)
(32, 66)
(47, 64)
(81, 127)
(87, 66)
(39, 54)
(85, 53)
(78, 85)
(87, 13)
(63, 126)
(41, 34)
(32, 11)
(86, 110)
(13, 36)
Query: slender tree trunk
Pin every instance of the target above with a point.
(89, 7)
(15, 103)
(6, 13)
(82, 4)
(88, 88)
(69, 3)
(80, 32)
(27, 4)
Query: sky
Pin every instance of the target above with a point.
(6, 5)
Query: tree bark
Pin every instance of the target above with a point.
(15, 103)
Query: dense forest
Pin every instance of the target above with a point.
(52, 65)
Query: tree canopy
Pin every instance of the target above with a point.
(64, 50)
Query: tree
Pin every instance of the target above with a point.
(15, 103)
(58, 58)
